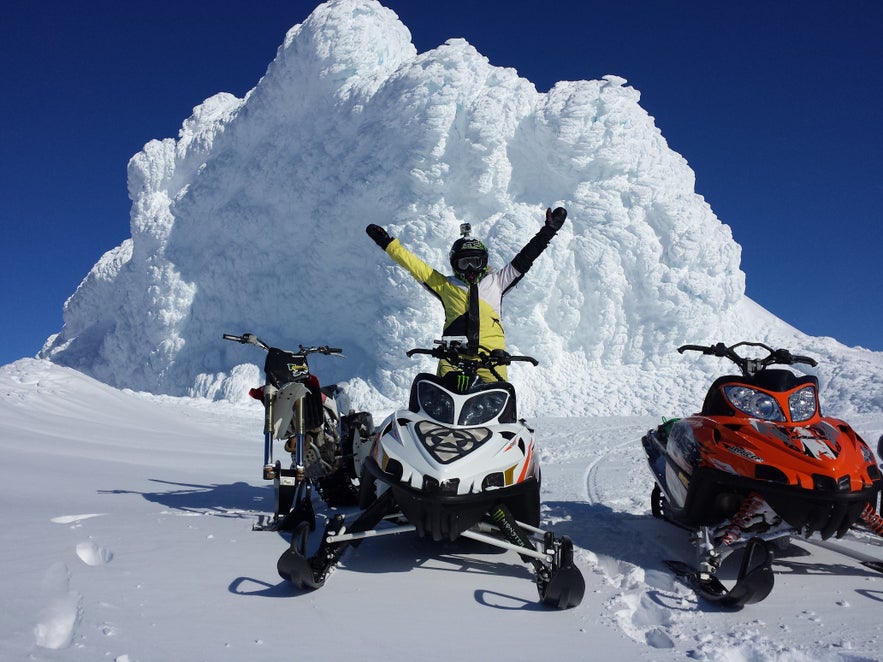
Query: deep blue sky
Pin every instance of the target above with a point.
(776, 106)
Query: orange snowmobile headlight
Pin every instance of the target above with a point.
(754, 403)
(802, 403)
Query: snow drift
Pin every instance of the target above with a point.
(253, 220)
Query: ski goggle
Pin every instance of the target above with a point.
(470, 262)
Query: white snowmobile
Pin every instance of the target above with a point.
(456, 462)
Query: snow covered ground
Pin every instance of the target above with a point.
(127, 536)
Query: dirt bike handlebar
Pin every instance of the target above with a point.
(252, 339)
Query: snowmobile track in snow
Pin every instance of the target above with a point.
(593, 493)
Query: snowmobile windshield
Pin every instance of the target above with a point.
(482, 407)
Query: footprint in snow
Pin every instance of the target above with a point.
(92, 554)
(57, 621)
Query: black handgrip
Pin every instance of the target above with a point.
(333, 350)
(247, 338)
(244, 338)
(526, 359)
(785, 357)
(718, 349)
(693, 348)
(805, 359)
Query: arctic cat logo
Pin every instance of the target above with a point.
(296, 367)
(449, 444)
(744, 452)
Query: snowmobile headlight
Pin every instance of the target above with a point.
(437, 403)
(802, 403)
(482, 408)
(754, 403)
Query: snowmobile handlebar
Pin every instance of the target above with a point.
(750, 366)
(252, 339)
(484, 358)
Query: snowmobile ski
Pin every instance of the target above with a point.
(293, 564)
(754, 583)
(560, 584)
(867, 560)
(310, 572)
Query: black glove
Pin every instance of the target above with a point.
(526, 256)
(555, 219)
(379, 235)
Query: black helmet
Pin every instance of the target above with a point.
(468, 259)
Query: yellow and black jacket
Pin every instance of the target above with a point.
(473, 311)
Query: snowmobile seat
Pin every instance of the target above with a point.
(770, 380)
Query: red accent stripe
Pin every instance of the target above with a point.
(527, 463)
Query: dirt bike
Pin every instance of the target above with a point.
(757, 465)
(317, 426)
(455, 462)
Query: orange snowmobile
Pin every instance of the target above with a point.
(756, 466)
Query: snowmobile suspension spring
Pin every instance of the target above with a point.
(872, 519)
(751, 505)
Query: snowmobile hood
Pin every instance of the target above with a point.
(821, 454)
